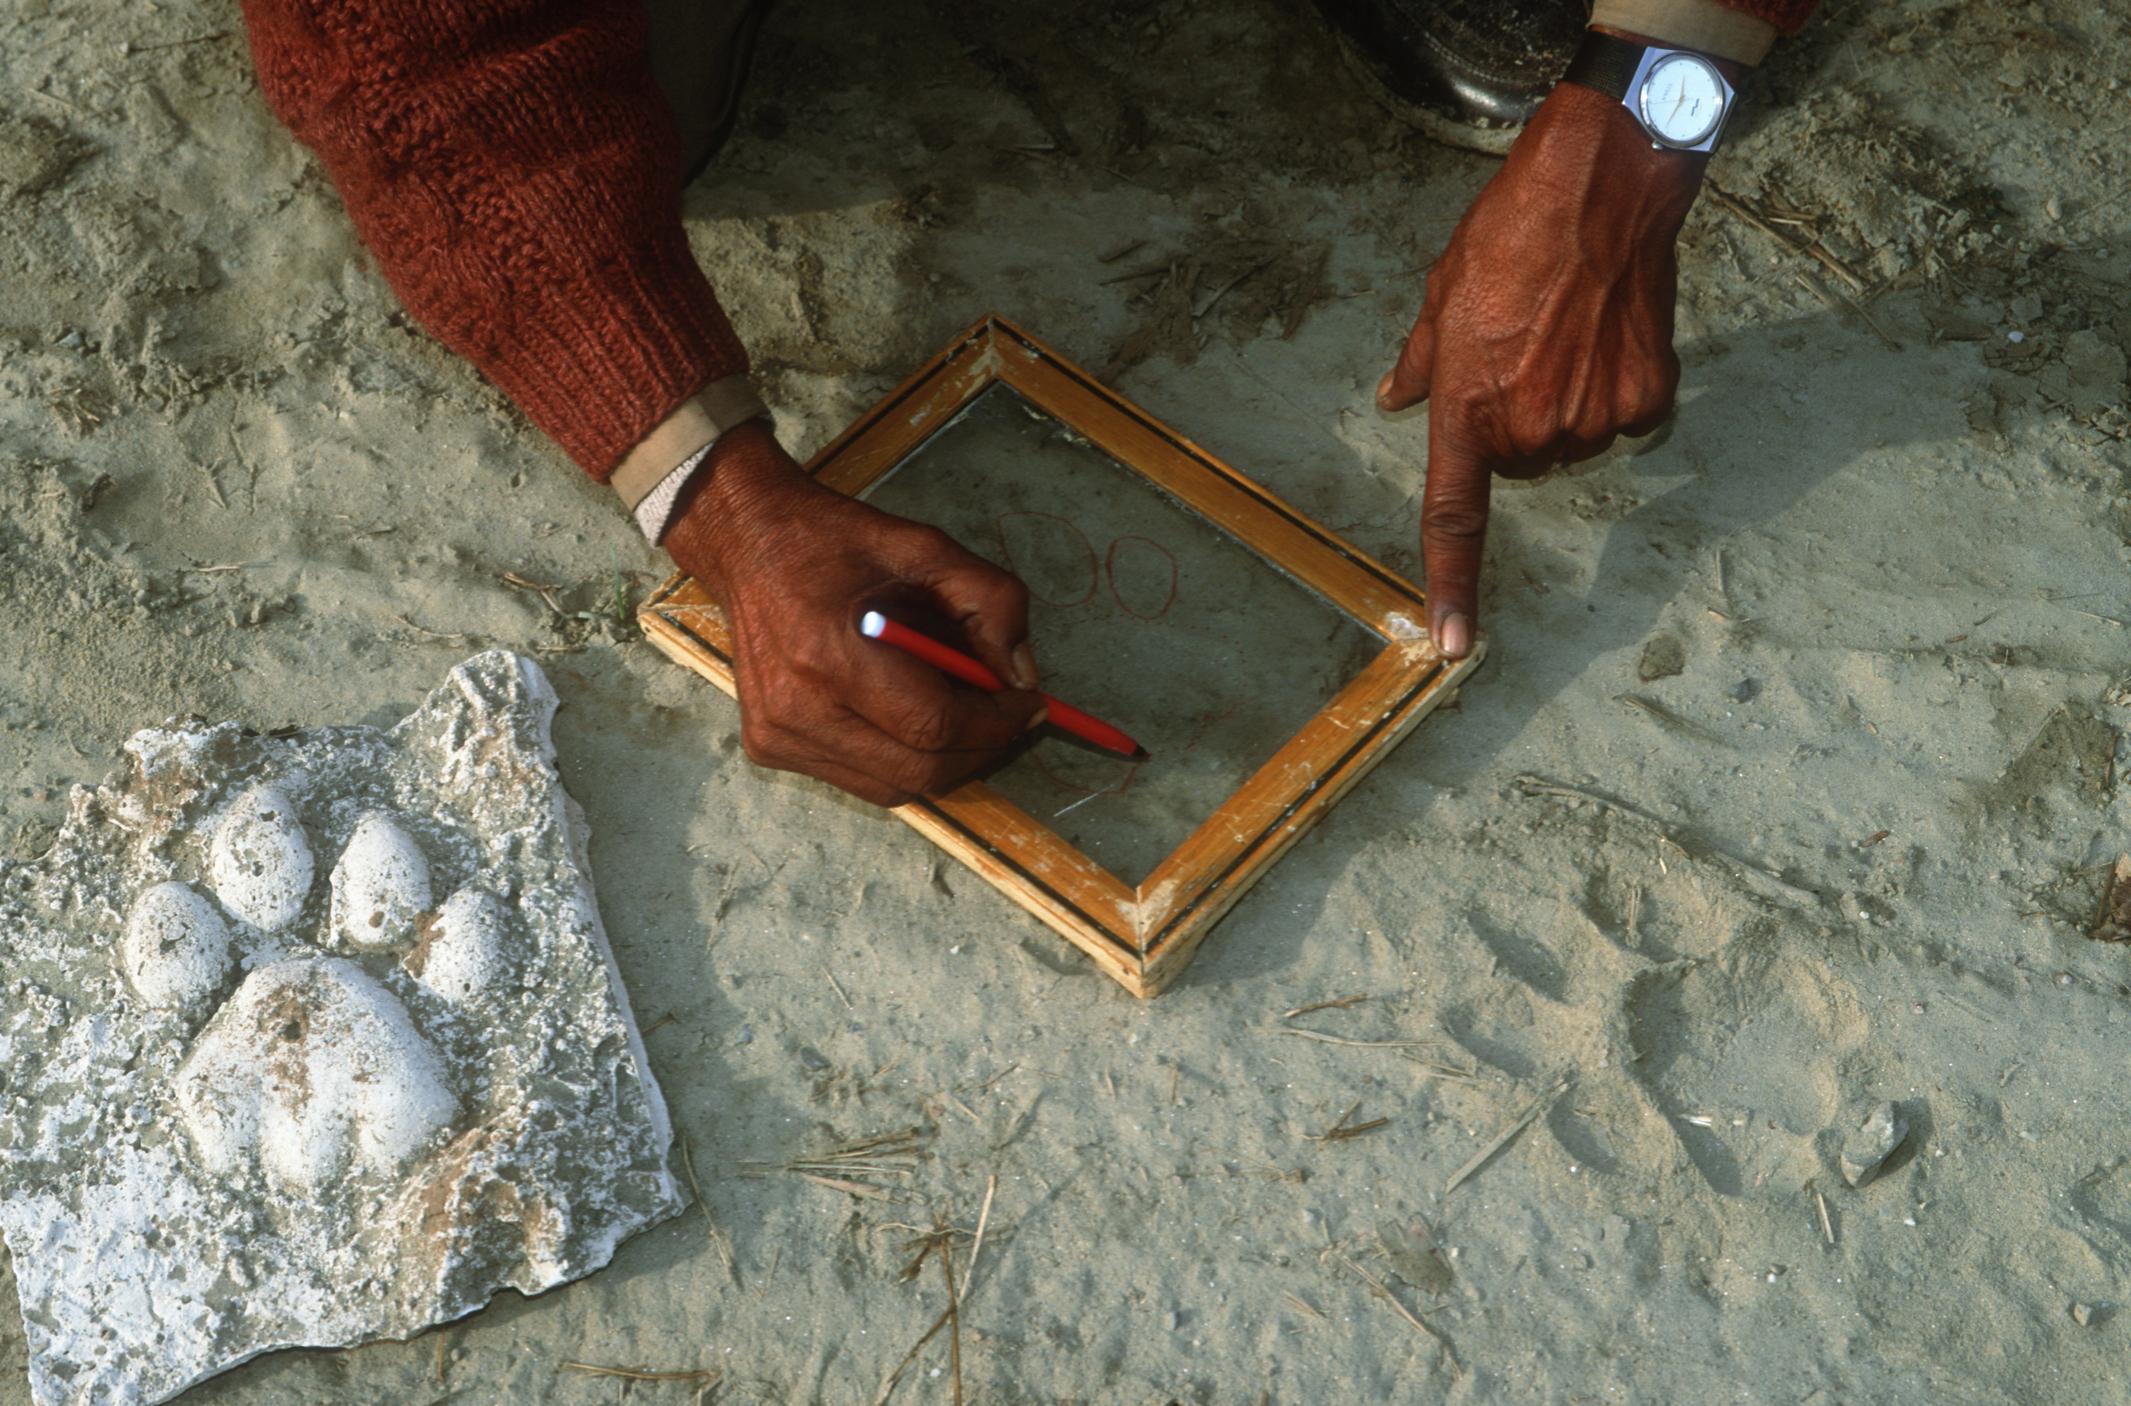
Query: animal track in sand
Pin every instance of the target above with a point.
(1751, 1034)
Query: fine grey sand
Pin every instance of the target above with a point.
(1789, 787)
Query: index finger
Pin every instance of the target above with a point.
(1453, 530)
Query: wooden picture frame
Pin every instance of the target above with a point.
(1144, 934)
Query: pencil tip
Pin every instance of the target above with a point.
(1141, 754)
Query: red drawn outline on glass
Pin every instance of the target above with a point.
(1110, 571)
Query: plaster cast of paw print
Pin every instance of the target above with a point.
(175, 952)
(380, 886)
(313, 1071)
(245, 1109)
(260, 859)
(460, 951)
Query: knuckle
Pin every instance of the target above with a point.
(928, 729)
(925, 540)
(1454, 523)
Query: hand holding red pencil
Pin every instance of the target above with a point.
(1059, 713)
(792, 564)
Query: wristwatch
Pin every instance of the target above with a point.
(1679, 97)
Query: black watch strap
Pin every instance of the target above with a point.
(1606, 62)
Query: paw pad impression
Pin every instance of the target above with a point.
(312, 1112)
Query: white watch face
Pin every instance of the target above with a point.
(1682, 99)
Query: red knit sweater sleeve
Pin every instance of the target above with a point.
(518, 178)
(1787, 15)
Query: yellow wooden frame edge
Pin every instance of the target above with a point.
(1141, 935)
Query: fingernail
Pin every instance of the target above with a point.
(1041, 716)
(1383, 389)
(1024, 667)
(1454, 635)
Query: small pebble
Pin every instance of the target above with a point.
(2082, 1313)
(1746, 690)
(2016, 336)
(1871, 1142)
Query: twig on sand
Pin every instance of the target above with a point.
(1323, 1039)
(443, 636)
(710, 1221)
(1758, 875)
(1221, 292)
(884, 1155)
(1342, 1130)
(1727, 201)
(1504, 1138)
(1671, 719)
(1840, 301)
(940, 1240)
(984, 1215)
(1337, 1003)
(541, 589)
(1383, 1291)
(701, 1374)
(1820, 1203)
(846, 1185)
(954, 1315)
(1447, 1071)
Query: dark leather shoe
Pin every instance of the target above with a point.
(1468, 71)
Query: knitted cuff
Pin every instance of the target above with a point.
(600, 360)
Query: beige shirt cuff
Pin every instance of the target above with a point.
(695, 425)
(1704, 26)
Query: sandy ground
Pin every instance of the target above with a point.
(1844, 655)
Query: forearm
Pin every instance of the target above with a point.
(515, 173)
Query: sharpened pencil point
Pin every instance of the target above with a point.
(1141, 754)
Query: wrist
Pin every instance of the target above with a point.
(1581, 133)
(727, 505)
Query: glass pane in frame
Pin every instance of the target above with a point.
(1143, 613)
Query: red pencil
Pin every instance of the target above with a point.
(876, 626)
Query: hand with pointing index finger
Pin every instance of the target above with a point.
(1547, 327)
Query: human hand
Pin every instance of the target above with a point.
(794, 565)
(1547, 327)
